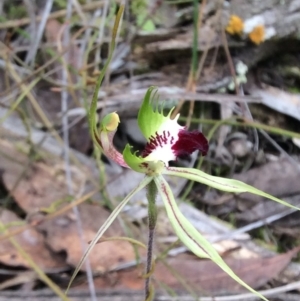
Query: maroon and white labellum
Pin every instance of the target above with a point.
(172, 141)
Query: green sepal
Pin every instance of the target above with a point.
(151, 118)
(134, 162)
(139, 164)
(191, 237)
(228, 185)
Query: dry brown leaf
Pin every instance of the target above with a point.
(32, 242)
(279, 178)
(42, 184)
(40, 187)
(35, 185)
(62, 235)
(206, 276)
(203, 275)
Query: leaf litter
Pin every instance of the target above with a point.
(42, 184)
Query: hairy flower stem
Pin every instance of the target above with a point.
(152, 218)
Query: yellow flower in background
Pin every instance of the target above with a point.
(257, 35)
(235, 25)
(253, 28)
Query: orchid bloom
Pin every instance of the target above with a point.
(166, 141)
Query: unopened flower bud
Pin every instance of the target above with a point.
(110, 122)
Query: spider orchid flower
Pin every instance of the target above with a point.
(166, 141)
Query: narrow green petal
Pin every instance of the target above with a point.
(134, 162)
(149, 117)
(106, 225)
(228, 185)
(191, 237)
(140, 164)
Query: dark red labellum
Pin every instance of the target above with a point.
(189, 142)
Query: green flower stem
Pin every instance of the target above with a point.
(152, 218)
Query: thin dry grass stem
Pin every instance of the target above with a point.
(4, 202)
(239, 91)
(15, 101)
(97, 59)
(30, 58)
(58, 14)
(79, 11)
(182, 101)
(86, 48)
(192, 80)
(33, 102)
(22, 70)
(21, 83)
(32, 27)
(46, 45)
(133, 33)
(6, 74)
(192, 289)
(191, 105)
(40, 69)
(107, 75)
(85, 41)
(255, 225)
(273, 292)
(230, 62)
(214, 58)
(280, 149)
(200, 65)
(120, 238)
(48, 217)
(205, 52)
(41, 274)
(68, 82)
(64, 109)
